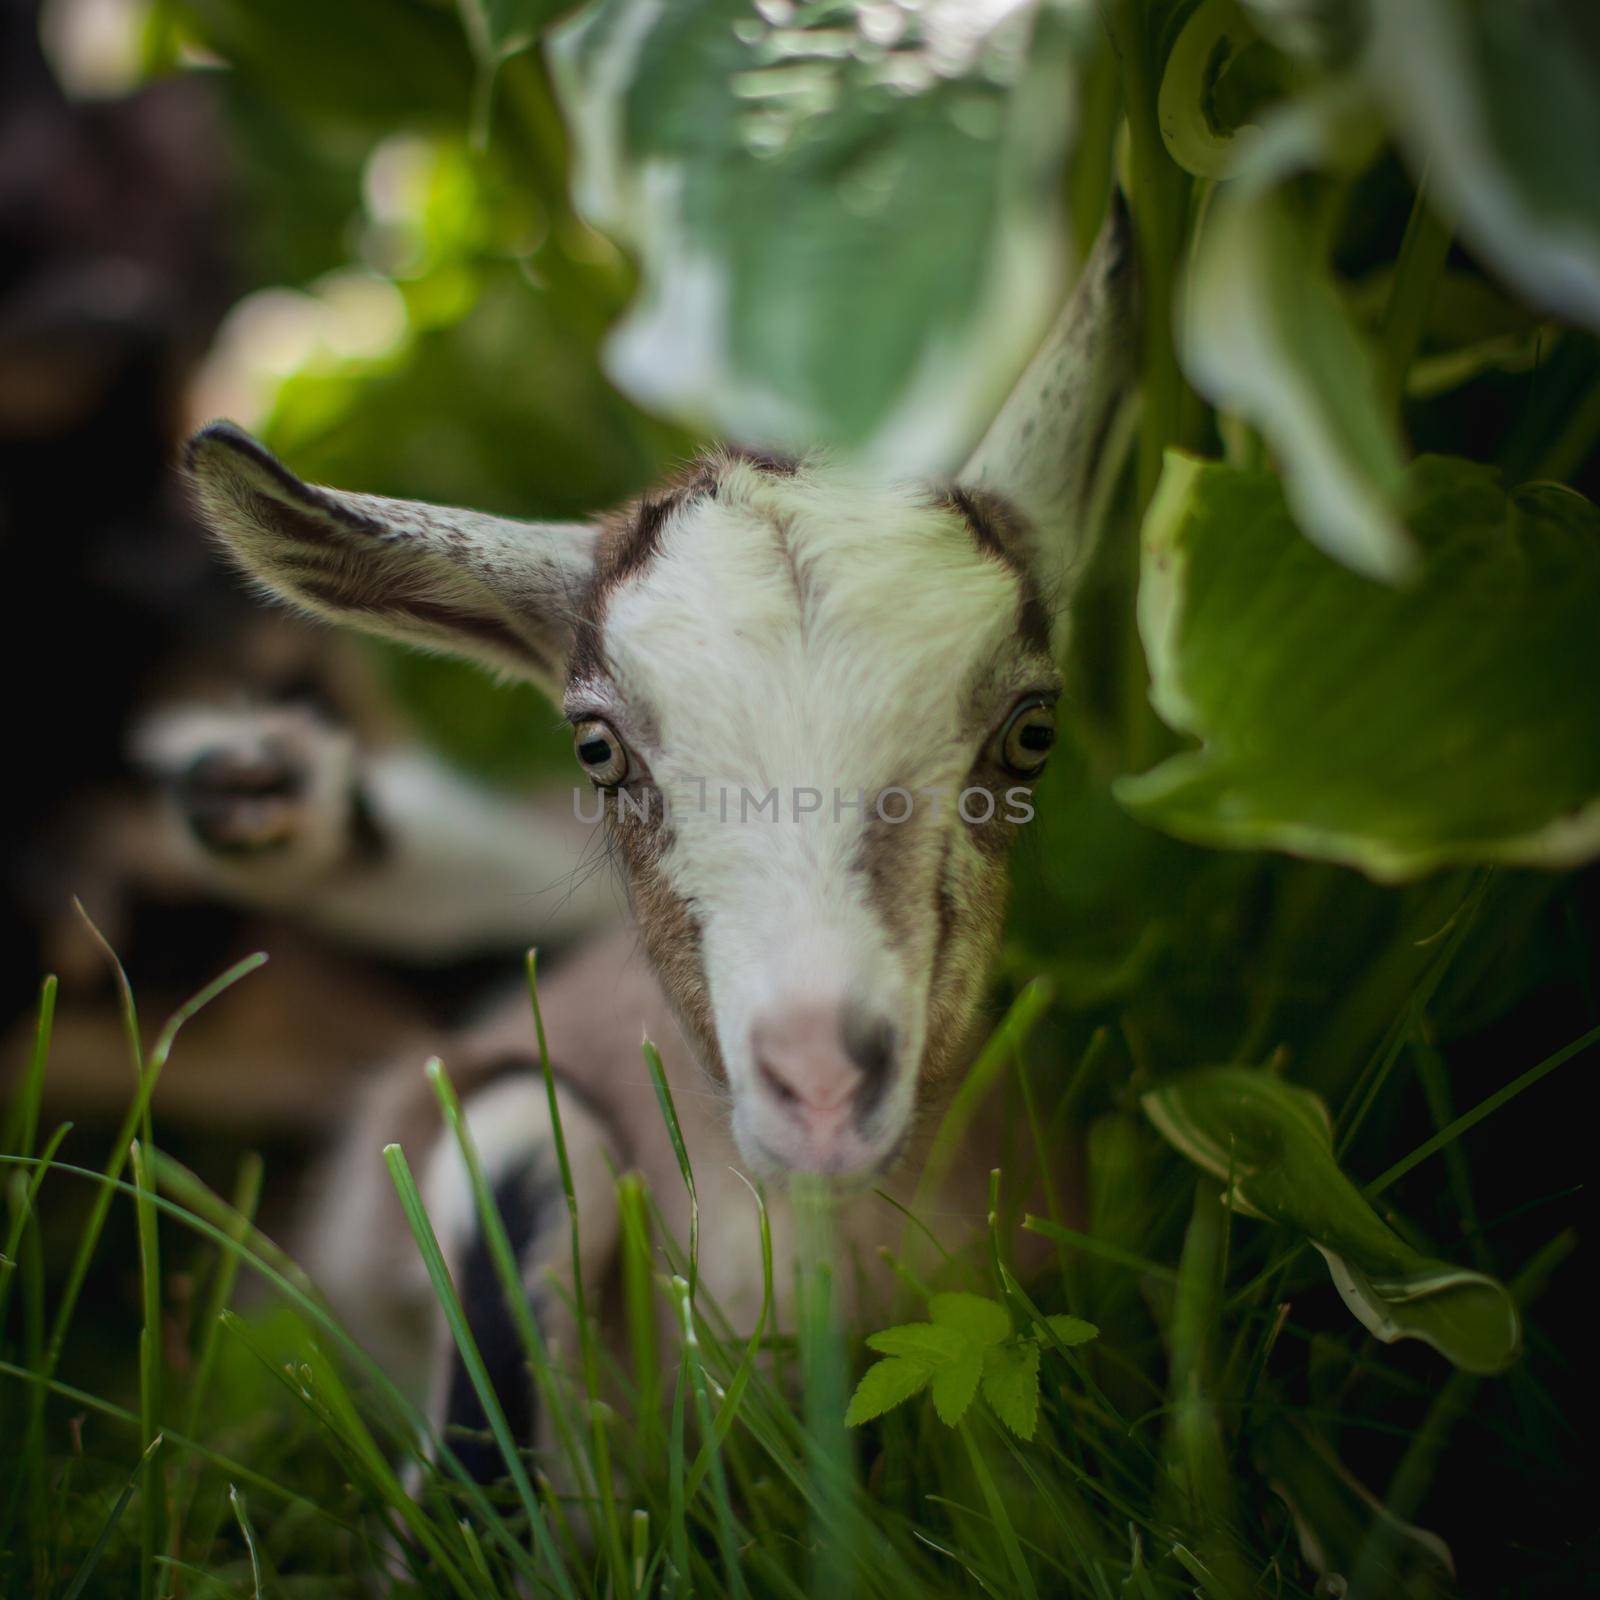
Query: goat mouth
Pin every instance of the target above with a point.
(844, 1178)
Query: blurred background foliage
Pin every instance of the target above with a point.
(471, 260)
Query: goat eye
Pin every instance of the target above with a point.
(1027, 737)
(602, 754)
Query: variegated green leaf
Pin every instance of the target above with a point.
(1271, 1144)
(1455, 720)
(845, 235)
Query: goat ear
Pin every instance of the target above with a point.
(501, 592)
(1042, 451)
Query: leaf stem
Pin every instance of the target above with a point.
(1160, 207)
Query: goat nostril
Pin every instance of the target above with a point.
(869, 1041)
(780, 1090)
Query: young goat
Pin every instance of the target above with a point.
(813, 709)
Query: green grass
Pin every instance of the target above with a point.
(213, 1431)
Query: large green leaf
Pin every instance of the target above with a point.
(1264, 332)
(1501, 105)
(1454, 720)
(1271, 1144)
(846, 225)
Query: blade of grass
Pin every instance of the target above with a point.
(838, 1538)
(1099, 1247)
(109, 1526)
(1363, 1096)
(152, 1499)
(729, 1409)
(187, 1569)
(84, 1401)
(600, 1442)
(1423, 252)
(242, 1517)
(246, 1198)
(1021, 1576)
(1484, 1108)
(638, 1297)
(22, 1120)
(224, 1274)
(1415, 1471)
(1002, 1046)
(315, 1385)
(21, 1196)
(677, 1504)
(725, 1524)
(1196, 1452)
(669, 1115)
(450, 1304)
(413, 1422)
(133, 1118)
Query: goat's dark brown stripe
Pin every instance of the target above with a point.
(997, 530)
(780, 466)
(451, 620)
(978, 513)
(632, 539)
(639, 537)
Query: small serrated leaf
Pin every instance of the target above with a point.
(884, 1385)
(1011, 1384)
(982, 1320)
(955, 1383)
(921, 1341)
(1072, 1330)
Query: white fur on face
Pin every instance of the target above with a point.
(821, 639)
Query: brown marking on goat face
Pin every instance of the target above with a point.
(969, 891)
(666, 922)
(630, 538)
(970, 906)
(1000, 531)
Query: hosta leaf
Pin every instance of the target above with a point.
(979, 1319)
(922, 1341)
(1072, 1330)
(1265, 333)
(1271, 1143)
(1397, 730)
(956, 1383)
(843, 236)
(1011, 1384)
(1496, 102)
(883, 1386)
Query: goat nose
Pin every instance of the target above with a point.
(826, 1061)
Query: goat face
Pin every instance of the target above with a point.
(814, 708)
